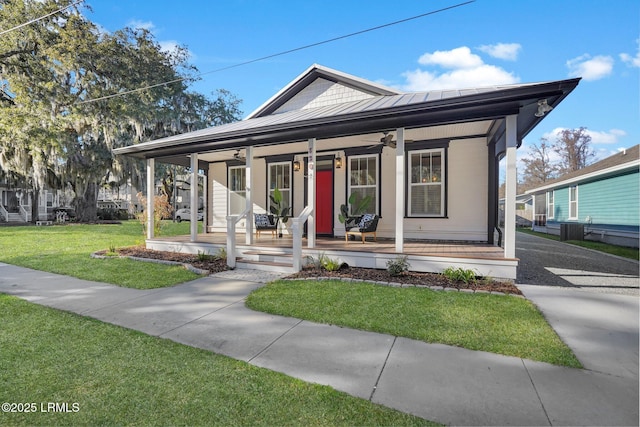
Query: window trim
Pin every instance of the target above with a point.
(443, 183)
(551, 212)
(290, 189)
(375, 156)
(573, 202)
(230, 191)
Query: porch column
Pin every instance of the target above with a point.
(311, 192)
(205, 197)
(400, 180)
(510, 188)
(249, 199)
(151, 166)
(194, 197)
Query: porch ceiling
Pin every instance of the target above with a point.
(459, 130)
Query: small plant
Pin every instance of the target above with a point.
(112, 248)
(221, 254)
(204, 256)
(460, 274)
(398, 266)
(328, 263)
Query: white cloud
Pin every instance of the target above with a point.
(460, 57)
(466, 70)
(632, 61)
(590, 68)
(136, 23)
(506, 51)
(597, 137)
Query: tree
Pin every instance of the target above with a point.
(53, 134)
(538, 167)
(573, 147)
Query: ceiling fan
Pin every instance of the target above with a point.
(386, 141)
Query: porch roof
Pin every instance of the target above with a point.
(377, 114)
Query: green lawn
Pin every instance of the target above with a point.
(631, 253)
(66, 249)
(116, 376)
(494, 323)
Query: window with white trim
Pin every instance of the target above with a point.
(280, 178)
(550, 205)
(237, 189)
(363, 180)
(426, 183)
(573, 202)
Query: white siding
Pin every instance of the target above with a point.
(321, 93)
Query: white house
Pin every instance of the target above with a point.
(428, 160)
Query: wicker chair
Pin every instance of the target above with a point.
(368, 224)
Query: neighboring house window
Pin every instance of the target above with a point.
(237, 189)
(280, 178)
(550, 205)
(363, 179)
(426, 186)
(573, 202)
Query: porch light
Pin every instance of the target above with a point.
(296, 165)
(543, 108)
(338, 162)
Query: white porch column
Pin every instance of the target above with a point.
(311, 192)
(249, 198)
(205, 205)
(511, 181)
(151, 166)
(193, 195)
(400, 180)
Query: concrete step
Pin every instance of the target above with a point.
(15, 217)
(262, 256)
(277, 267)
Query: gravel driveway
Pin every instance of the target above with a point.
(552, 263)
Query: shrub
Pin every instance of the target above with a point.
(221, 254)
(460, 275)
(161, 209)
(398, 266)
(327, 263)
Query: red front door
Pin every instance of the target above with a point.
(324, 202)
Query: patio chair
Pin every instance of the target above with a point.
(266, 222)
(368, 225)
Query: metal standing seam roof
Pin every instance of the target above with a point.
(389, 105)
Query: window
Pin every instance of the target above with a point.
(237, 189)
(550, 205)
(426, 186)
(363, 179)
(573, 202)
(280, 178)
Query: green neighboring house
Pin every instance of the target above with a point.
(600, 202)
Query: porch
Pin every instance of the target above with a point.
(276, 254)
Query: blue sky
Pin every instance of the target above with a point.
(483, 43)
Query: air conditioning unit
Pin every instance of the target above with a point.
(571, 231)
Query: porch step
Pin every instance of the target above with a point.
(263, 256)
(277, 267)
(15, 217)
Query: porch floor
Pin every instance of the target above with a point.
(476, 251)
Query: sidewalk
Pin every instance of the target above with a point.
(441, 383)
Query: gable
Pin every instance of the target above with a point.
(321, 93)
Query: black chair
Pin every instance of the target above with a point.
(368, 224)
(266, 222)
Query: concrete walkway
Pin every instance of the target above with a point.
(437, 382)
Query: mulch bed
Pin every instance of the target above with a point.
(214, 265)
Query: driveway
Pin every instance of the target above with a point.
(552, 263)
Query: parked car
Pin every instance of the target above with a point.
(185, 214)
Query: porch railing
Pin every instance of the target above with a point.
(24, 214)
(296, 227)
(4, 215)
(232, 221)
